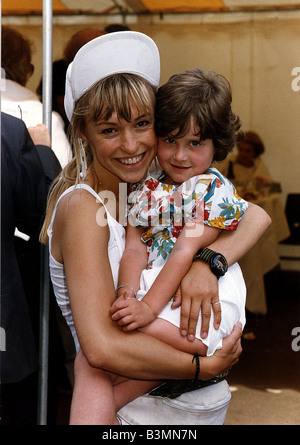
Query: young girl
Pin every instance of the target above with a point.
(181, 209)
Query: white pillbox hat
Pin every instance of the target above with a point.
(116, 52)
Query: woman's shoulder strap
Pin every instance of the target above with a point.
(79, 187)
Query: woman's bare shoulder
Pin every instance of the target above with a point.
(77, 201)
(77, 210)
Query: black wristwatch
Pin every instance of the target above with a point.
(217, 262)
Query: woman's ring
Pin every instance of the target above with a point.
(217, 302)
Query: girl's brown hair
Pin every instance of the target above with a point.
(205, 96)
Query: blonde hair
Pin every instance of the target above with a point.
(117, 93)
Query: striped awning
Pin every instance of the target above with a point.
(32, 7)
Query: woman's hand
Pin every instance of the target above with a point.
(226, 357)
(199, 290)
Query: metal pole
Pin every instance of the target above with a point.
(47, 63)
(45, 279)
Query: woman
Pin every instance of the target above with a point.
(248, 165)
(110, 98)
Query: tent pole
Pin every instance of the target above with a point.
(45, 279)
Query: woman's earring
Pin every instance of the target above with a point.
(83, 163)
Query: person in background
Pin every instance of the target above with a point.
(115, 27)
(247, 165)
(26, 174)
(19, 101)
(59, 69)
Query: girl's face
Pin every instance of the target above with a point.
(186, 156)
(122, 149)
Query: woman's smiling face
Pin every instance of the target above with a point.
(121, 148)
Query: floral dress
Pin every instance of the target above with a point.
(162, 210)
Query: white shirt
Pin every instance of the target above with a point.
(22, 103)
(244, 174)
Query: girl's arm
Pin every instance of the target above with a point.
(82, 246)
(134, 260)
(132, 314)
(200, 286)
(193, 237)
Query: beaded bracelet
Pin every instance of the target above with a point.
(125, 285)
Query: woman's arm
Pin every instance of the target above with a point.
(200, 286)
(235, 245)
(82, 245)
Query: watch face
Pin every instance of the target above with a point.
(218, 265)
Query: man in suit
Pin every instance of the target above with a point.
(26, 173)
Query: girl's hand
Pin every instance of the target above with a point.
(199, 290)
(130, 313)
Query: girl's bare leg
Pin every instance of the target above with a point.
(170, 334)
(93, 397)
(129, 390)
(99, 395)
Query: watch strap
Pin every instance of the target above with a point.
(204, 255)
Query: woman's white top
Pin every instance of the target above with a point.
(116, 247)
